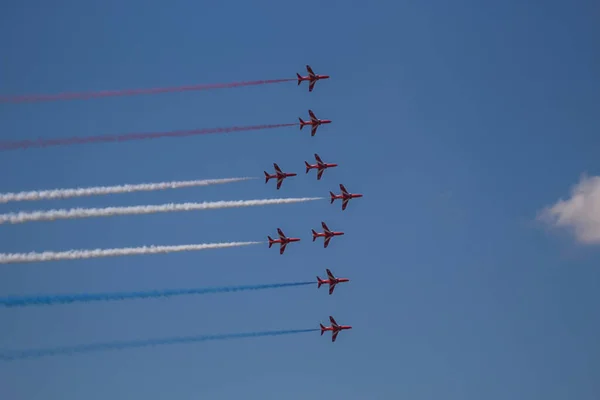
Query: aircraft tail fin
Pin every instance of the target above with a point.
(299, 78)
(267, 177)
(332, 197)
(314, 234)
(270, 241)
(301, 123)
(322, 329)
(319, 282)
(307, 166)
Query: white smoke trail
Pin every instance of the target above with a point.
(104, 190)
(51, 215)
(12, 258)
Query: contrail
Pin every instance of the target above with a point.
(133, 92)
(73, 213)
(13, 258)
(23, 301)
(35, 195)
(122, 345)
(26, 144)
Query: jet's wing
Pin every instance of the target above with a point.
(320, 174)
(333, 323)
(343, 189)
(310, 71)
(329, 274)
(279, 182)
(311, 86)
(318, 159)
(326, 242)
(334, 335)
(282, 247)
(325, 227)
(344, 204)
(280, 233)
(277, 168)
(312, 115)
(331, 288)
(313, 130)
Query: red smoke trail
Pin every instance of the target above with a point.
(132, 92)
(26, 144)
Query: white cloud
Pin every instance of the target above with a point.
(580, 213)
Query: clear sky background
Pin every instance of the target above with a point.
(458, 121)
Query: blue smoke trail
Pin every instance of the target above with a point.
(15, 301)
(121, 345)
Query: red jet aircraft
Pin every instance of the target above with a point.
(345, 196)
(334, 328)
(312, 78)
(327, 234)
(282, 239)
(331, 280)
(278, 174)
(320, 166)
(314, 121)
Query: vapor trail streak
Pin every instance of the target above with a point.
(133, 92)
(26, 144)
(12, 258)
(22, 301)
(36, 353)
(35, 195)
(51, 215)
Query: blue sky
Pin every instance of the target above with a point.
(459, 122)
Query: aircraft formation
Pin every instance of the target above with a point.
(345, 196)
(281, 241)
